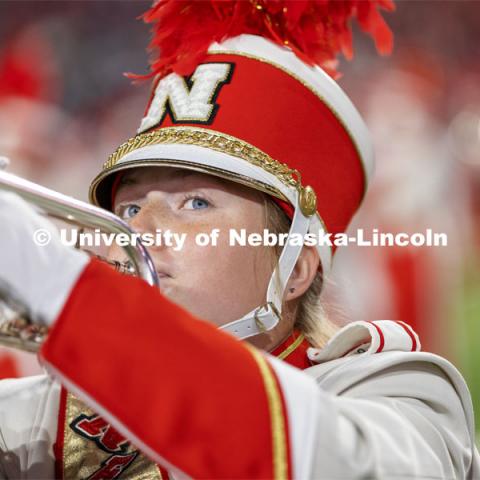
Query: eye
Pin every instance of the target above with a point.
(196, 203)
(129, 211)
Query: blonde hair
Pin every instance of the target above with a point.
(309, 314)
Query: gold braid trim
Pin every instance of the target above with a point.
(277, 418)
(291, 348)
(222, 143)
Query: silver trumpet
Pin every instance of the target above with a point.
(16, 328)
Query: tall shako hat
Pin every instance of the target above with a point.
(241, 91)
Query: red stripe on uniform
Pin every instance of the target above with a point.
(380, 334)
(163, 473)
(59, 443)
(409, 330)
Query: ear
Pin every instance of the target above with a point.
(303, 273)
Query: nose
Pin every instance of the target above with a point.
(152, 216)
(147, 219)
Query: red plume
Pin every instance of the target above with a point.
(316, 30)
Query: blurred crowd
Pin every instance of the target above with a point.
(65, 105)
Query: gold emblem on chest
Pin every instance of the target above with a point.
(92, 449)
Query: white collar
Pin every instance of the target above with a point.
(367, 337)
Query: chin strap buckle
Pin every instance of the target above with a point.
(269, 308)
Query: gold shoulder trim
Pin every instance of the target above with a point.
(291, 347)
(277, 418)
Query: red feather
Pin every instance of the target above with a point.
(316, 30)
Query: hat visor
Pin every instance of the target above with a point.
(205, 160)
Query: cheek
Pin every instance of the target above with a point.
(246, 268)
(238, 273)
(220, 284)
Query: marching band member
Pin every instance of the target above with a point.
(225, 372)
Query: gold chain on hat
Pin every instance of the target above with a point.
(225, 144)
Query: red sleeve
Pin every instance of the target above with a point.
(192, 398)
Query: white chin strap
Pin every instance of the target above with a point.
(267, 316)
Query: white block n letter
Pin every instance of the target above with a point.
(194, 104)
